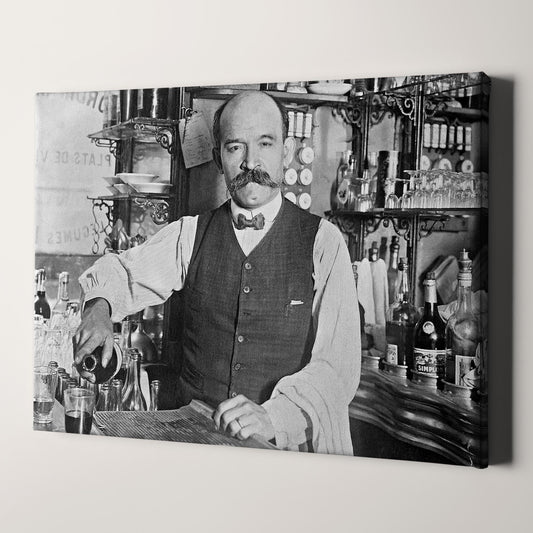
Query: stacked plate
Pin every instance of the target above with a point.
(128, 182)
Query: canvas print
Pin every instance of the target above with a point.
(287, 266)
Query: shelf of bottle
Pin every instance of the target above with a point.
(430, 214)
(140, 128)
(216, 93)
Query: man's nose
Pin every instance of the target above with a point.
(250, 159)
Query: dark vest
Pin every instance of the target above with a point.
(244, 327)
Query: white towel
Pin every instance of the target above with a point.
(365, 291)
(380, 290)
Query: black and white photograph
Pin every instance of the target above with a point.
(298, 266)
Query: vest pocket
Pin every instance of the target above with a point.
(192, 376)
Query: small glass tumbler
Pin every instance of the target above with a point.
(79, 409)
(44, 392)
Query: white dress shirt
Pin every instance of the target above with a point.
(310, 405)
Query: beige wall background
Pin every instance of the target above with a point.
(66, 483)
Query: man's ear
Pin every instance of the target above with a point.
(289, 146)
(217, 159)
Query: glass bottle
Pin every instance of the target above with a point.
(41, 306)
(132, 397)
(364, 199)
(373, 252)
(429, 350)
(463, 359)
(393, 276)
(93, 363)
(347, 189)
(115, 395)
(102, 403)
(402, 317)
(154, 395)
(60, 307)
(341, 171)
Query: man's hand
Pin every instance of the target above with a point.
(242, 418)
(96, 329)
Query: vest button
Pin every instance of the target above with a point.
(240, 338)
(233, 394)
(247, 266)
(237, 366)
(246, 289)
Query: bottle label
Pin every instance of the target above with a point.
(466, 371)
(392, 354)
(429, 362)
(428, 327)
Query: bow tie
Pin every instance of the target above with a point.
(257, 222)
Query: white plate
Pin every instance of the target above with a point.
(130, 178)
(332, 89)
(151, 188)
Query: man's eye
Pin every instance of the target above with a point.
(234, 148)
(266, 144)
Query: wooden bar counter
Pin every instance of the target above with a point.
(420, 415)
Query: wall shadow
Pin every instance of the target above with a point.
(501, 191)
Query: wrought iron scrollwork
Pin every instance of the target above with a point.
(347, 224)
(99, 227)
(351, 114)
(159, 209)
(112, 145)
(427, 226)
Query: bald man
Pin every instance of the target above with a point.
(270, 322)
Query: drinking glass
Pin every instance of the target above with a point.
(79, 409)
(391, 200)
(44, 392)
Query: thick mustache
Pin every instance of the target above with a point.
(255, 175)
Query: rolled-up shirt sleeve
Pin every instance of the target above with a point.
(319, 394)
(144, 275)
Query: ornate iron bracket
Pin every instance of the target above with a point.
(159, 208)
(112, 145)
(163, 135)
(105, 207)
(427, 226)
(351, 114)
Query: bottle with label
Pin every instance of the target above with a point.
(341, 171)
(393, 277)
(373, 252)
(60, 307)
(41, 306)
(132, 397)
(463, 339)
(429, 351)
(402, 317)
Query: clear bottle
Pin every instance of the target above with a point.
(341, 171)
(364, 201)
(463, 338)
(393, 276)
(429, 351)
(154, 395)
(132, 397)
(41, 306)
(60, 307)
(402, 317)
(102, 403)
(115, 395)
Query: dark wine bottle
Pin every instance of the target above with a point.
(93, 363)
(41, 306)
(402, 317)
(429, 352)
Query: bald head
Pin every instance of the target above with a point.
(251, 104)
